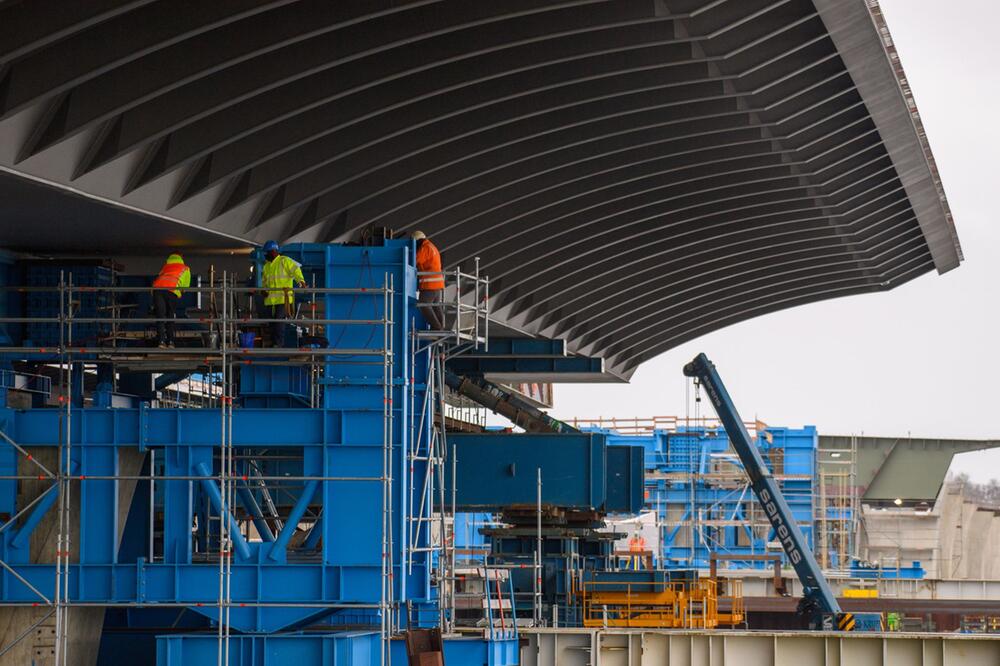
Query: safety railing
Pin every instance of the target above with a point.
(464, 311)
(733, 597)
(25, 382)
(647, 425)
(465, 307)
(72, 324)
(649, 604)
(501, 625)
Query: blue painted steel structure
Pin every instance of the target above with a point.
(528, 365)
(11, 273)
(350, 648)
(701, 509)
(582, 477)
(468, 531)
(360, 457)
(580, 472)
(863, 570)
(336, 649)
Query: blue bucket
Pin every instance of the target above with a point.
(247, 339)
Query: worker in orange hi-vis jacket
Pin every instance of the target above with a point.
(430, 280)
(173, 277)
(637, 546)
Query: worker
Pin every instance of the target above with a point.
(280, 274)
(174, 276)
(430, 280)
(637, 549)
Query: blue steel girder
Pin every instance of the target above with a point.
(184, 440)
(579, 471)
(520, 348)
(535, 366)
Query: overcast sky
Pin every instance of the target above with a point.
(921, 359)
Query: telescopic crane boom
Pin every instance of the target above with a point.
(818, 600)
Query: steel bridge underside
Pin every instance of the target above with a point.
(631, 173)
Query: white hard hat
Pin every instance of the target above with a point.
(418, 235)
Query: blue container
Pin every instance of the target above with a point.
(247, 340)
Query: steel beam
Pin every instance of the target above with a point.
(26, 27)
(113, 43)
(510, 368)
(236, 61)
(609, 647)
(280, 545)
(225, 513)
(250, 132)
(519, 348)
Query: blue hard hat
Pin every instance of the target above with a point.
(270, 245)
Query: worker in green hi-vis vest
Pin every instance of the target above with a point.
(279, 276)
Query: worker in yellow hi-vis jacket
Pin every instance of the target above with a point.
(279, 276)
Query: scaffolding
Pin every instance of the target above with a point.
(429, 451)
(836, 506)
(234, 522)
(466, 315)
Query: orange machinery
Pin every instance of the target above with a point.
(676, 599)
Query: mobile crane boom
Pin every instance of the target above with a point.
(818, 599)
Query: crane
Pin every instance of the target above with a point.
(818, 602)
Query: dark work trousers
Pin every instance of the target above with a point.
(165, 309)
(432, 307)
(277, 327)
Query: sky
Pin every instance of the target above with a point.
(921, 359)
